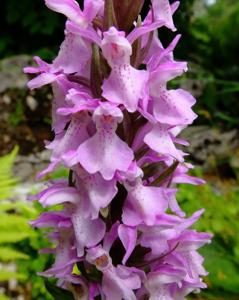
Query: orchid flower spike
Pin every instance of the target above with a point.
(117, 228)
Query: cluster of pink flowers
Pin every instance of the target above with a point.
(116, 125)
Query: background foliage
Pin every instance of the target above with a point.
(19, 243)
(210, 43)
(29, 27)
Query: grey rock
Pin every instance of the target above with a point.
(44, 155)
(31, 102)
(206, 142)
(6, 99)
(11, 72)
(23, 170)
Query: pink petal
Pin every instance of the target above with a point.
(146, 202)
(174, 6)
(40, 80)
(128, 236)
(96, 192)
(174, 107)
(69, 8)
(139, 31)
(75, 134)
(159, 140)
(119, 283)
(58, 195)
(60, 89)
(88, 233)
(163, 12)
(88, 33)
(163, 73)
(158, 282)
(77, 101)
(74, 55)
(111, 236)
(173, 204)
(92, 8)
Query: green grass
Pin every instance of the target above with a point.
(220, 218)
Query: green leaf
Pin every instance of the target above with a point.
(9, 254)
(6, 205)
(3, 297)
(58, 293)
(7, 181)
(223, 270)
(14, 223)
(14, 236)
(6, 275)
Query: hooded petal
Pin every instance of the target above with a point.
(165, 234)
(191, 240)
(88, 33)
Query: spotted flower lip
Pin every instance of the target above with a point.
(116, 228)
(104, 152)
(125, 85)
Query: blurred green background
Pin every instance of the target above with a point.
(210, 31)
